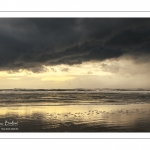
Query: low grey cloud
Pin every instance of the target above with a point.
(31, 43)
(89, 72)
(65, 69)
(53, 70)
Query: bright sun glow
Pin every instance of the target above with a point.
(109, 73)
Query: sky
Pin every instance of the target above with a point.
(54, 53)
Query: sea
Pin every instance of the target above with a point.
(74, 110)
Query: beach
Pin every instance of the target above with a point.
(74, 111)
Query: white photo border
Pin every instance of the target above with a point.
(21, 13)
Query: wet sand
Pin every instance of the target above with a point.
(76, 118)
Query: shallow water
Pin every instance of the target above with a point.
(44, 111)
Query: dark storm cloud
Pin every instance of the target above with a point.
(32, 43)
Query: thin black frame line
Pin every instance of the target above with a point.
(73, 132)
(74, 11)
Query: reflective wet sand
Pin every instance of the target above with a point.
(74, 111)
(77, 118)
